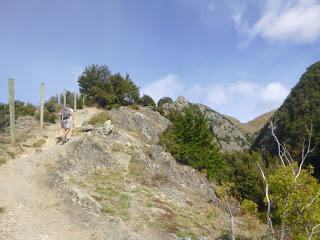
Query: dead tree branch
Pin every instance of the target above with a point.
(269, 221)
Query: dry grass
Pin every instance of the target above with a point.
(99, 118)
(50, 166)
(2, 210)
(107, 187)
(39, 143)
(2, 160)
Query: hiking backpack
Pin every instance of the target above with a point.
(65, 113)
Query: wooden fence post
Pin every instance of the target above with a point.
(42, 96)
(64, 98)
(12, 111)
(75, 101)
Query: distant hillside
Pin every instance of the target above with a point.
(254, 125)
(300, 108)
(229, 136)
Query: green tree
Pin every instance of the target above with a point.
(164, 100)
(241, 169)
(189, 140)
(147, 101)
(296, 202)
(93, 77)
(107, 89)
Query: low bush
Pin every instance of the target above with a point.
(242, 170)
(147, 101)
(164, 100)
(249, 206)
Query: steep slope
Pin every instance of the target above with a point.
(254, 125)
(259, 122)
(228, 136)
(301, 108)
(112, 182)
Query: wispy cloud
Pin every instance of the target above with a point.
(283, 20)
(169, 85)
(212, 6)
(242, 99)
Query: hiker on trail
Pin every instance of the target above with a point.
(67, 118)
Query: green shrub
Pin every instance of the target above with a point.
(24, 109)
(21, 109)
(112, 106)
(134, 107)
(241, 169)
(164, 100)
(189, 140)
(51, 111)
(147, 101)
(249, 206)
(99, 118)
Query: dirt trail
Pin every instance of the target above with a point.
(33, 209)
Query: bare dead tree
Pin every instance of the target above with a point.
(269, 221)
(232, 227)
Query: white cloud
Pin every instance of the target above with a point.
(274, 93)
(283, 20)
(169, 86)
(242, 99)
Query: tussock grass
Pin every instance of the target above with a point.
(2, 210)
(2, 161)
(99, 118)
(39, 143)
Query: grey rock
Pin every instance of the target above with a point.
(228, 136)
(104, 129)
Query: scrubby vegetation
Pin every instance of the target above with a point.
(295, 202)
(70, 99)
(21, 109)
(99, 118)
(146, 100)
(190, 141)
(164, 100)
(242, 170)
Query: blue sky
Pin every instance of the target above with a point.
(239, 57)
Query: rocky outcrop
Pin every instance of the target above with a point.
(118, 170)
(227, 135)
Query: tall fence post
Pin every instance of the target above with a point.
(64, 98)
(83, 100)
(42, 92)
(75, 101)
(12, 111)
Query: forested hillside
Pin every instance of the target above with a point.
(300, 109)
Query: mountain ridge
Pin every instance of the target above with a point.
(254, 125)
(228, 136)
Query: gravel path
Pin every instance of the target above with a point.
(36, 211)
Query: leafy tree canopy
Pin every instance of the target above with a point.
(104, 88)
(297, 201)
